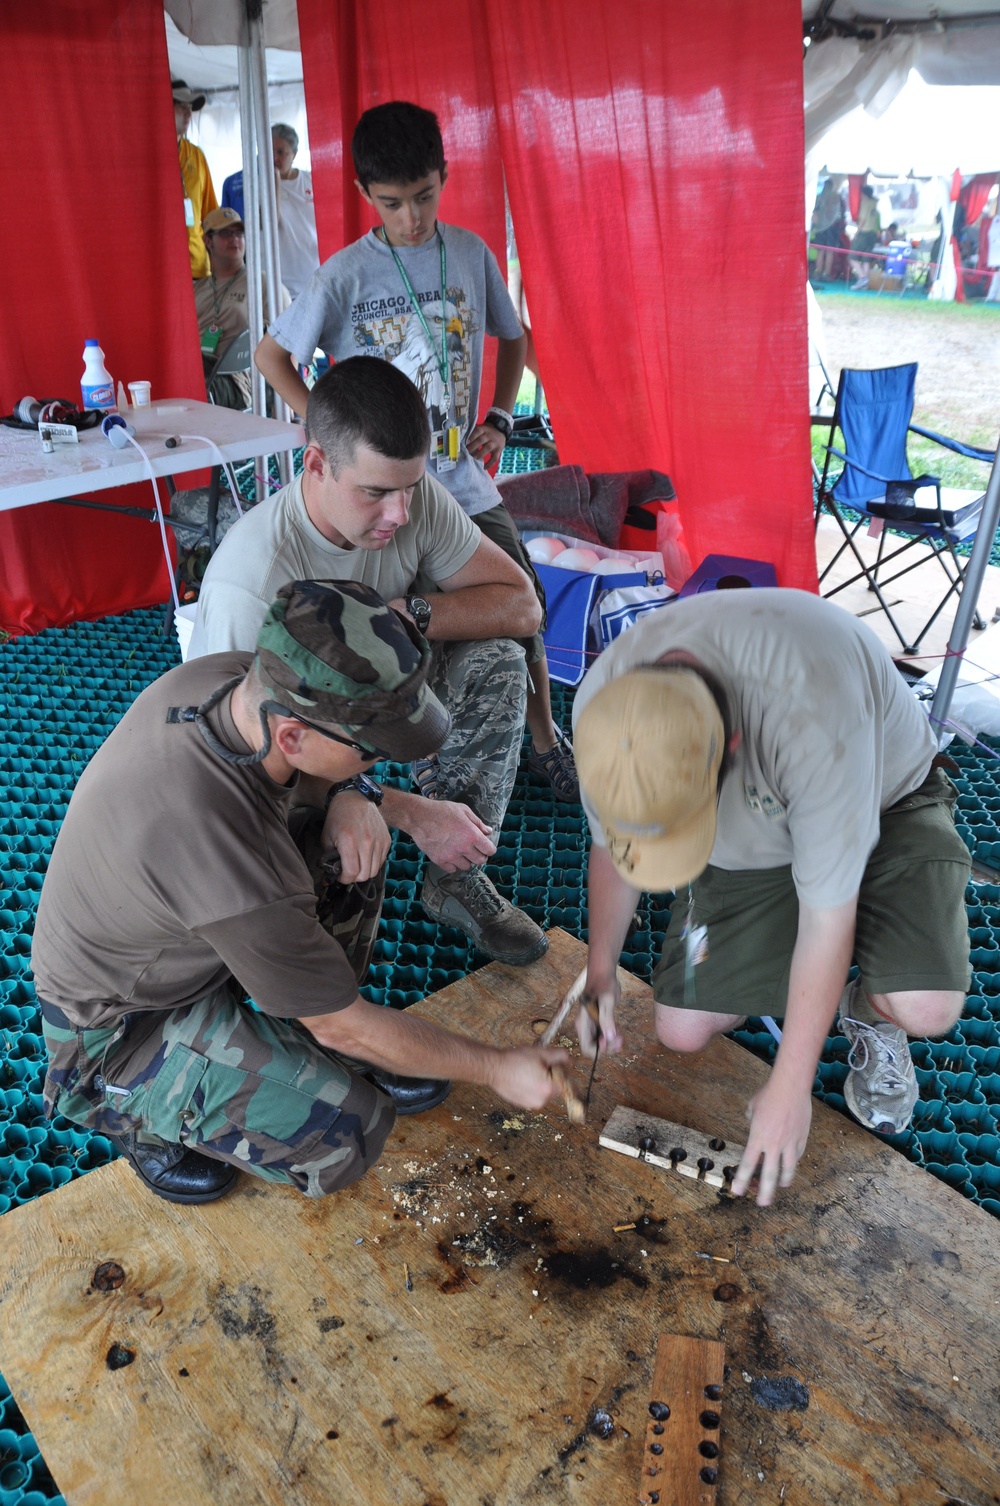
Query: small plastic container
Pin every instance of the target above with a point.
(140, 393)
(97, 390)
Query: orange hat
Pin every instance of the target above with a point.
(648, 749)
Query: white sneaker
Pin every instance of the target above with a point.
(881, 1088)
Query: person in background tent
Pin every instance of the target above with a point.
(232, 193)
(866, 235)
(199, 194)
(993, 257)
(424, 295)
(296, 212)
(828, 227)
(220, 302)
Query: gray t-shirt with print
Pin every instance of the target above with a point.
(357, 305)
(830, 733)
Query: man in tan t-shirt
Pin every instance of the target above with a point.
(364, 509)
(177, 884)
(220, 302)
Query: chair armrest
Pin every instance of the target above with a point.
(875, 476)
(972, 452)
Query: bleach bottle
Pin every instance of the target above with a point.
(96, 386)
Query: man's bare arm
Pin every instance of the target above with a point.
(490, 597)
(485, 442)
(398, 1041)
(781, 1113)
(611, 904)
(281, 372)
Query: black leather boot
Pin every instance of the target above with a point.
(176, 1173)
(411, 1095)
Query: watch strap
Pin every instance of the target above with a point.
(501, 420)
(359, 782)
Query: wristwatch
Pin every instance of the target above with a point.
(419, 609)
(362, 784)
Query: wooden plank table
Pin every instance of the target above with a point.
(266, 1348)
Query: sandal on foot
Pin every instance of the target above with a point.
(424, 773)
(558, 767)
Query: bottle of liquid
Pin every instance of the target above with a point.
(96, 387)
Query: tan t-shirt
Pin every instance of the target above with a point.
(275, 542)
(174, 870)
(831, 735)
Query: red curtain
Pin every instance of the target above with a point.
(92, 244)
(654, 166)
(975, 194)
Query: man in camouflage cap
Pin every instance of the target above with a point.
(154, 925)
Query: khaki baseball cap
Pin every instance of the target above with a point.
(648, 750)
(218, 219)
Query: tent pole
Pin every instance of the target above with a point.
(251, 208)
(971, 586)
(270, 255)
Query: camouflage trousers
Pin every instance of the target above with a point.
(228, 1081)
(483, 683)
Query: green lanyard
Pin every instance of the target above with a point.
(442, 359)
(225, 293)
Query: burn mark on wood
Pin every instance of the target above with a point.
(587, 1268)
(947, 1259)
(241, 1314)
(780, 1393)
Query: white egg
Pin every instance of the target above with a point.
(613, 566)
(543, 551)
(576, 559)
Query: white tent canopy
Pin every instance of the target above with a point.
(855, 57)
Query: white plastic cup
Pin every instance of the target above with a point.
(140, 394)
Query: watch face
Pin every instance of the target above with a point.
(420, 611)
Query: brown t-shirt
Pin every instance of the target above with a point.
(174, 870)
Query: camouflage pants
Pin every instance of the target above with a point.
(228, 1081)
(483, 683)
(223, 1079)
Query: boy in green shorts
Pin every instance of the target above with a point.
(758, 753)
(424, 295)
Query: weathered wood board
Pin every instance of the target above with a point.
(672, 1147)
(277, 1357)
(681, 1463)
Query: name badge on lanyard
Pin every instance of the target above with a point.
(446, 442)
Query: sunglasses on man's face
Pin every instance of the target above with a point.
(335, 737)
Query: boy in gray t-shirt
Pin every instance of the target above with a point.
(424, 295)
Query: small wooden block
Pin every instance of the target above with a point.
(680, 1463)
(674, 1147)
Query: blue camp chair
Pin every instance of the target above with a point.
(872, 413)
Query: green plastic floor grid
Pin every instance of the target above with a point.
(61, 693)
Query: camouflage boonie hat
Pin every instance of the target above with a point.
(332, 651)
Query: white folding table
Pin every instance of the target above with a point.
(176, 436)
(27, 475)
